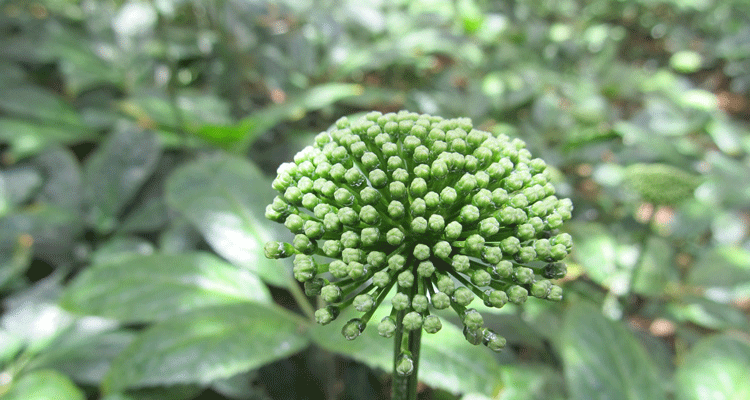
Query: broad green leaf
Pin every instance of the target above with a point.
(51, 231)
(715, 369)
(603, 360)
(115, 173)
(175, 392)
(207, 345)
(10, 346)
(44, 385)
(734, 264)
(31, 137)
(85, 351)
(447, 360)
(709, 314)
(656, 270)
(596, 251)
(36, 103)
(15, 256)
(121, 247)
(225, 198)
(62, 178)
(156, 287)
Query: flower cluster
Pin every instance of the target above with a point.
(441, 211)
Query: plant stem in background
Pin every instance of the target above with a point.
(405, 358)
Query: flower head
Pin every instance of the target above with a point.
(445, 213)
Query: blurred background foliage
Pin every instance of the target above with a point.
(137, 139)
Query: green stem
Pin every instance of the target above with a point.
(405, 387)
(301, 299)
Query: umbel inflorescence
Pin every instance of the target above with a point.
(441, 211)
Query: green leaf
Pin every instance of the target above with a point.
(708, 313)
(44, 385)
(176, 392)
(51, 230)
(734, 264)
(656, 270)
(156, 287)
(596, 251)
(207, 345)
(39, 104)
(603, 360)
(225, 199)
(715, 369)
(447, 360)
(115, 172)
(30, 137)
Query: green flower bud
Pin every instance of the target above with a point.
(448, 196)
(396, 262)
(436, 223)
(330, 293)
(463, 296)
(304, 268)
(404, 365)
(396, 210)
(469, 214)
(488, 227)
(325, 315)
(376, 258)
(425, 269)
(496, 298)
(400, 175)
(313, 286)
(332, 248)
(381, 279)
(432, 324)
(400, 301)
(349, 255)
(481, 277)
(378, 178)
(418, 208)
(419, 225)
(406, 279)
(442, 249)
(353, 329)
(363, 302)
(350, 240)
(517, 294)
(369, 215)
(394, 237)
(275, 249)
(369, 195)
(295, 223)
(558, 252)
(419, 303)
(555, 270)
(473, 319)
(387, 327)
(445, 285)
(357, 270)
(347, 216)
(475, 245)
(398, 190)
(370, 236)
(541, 289)
(526, 255)
(492, 255)
(440, 301)
(421, 252)
(460, 262)
(412, 321)
(523, 275)
(453, 230)
(492, 340)
(510, 245)
(555, 293)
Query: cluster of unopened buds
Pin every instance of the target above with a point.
(441, 211)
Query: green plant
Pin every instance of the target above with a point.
(441, 211)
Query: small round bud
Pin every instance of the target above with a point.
(555, 293)
(463, 296)
(406, 279)
(412, 321)
(525, 231)
(421, 252)
(325, 315)
(304, 245)
(394, 237)
(376, 258)
(474, 245)
(461, 262)
(558, 252)
(363, 302)
(425, 269)
(369, 215)
(332, 248)
(381, 279)
(432, 324)
(448, 196)
(396, 262)
(338, 269)
(481, 277)
(526, 255)
(497, 298)
(400, 301)
(473, 319)
(353, 329)
(436, 223)
(493, 341)
(397, 190)
(492, 255)
(419, 225)
(370, 237)
(419, 303)
(330, 293)
(313, 286)
(369, 195)
(440, 301)
(442, 249)
(348, 216)
(555, 270)
(489, 227)
(350, 255)
(304, 268)
(274, 249)
(453, 230)
(294, 223)
(356, 270)
(445, 285)
(510, 245)
(523, 275)
(432, 200)
(396, 209)
(378, 178)
(405, 365)
(517, 294)
(350, 240)
(469, 214)
(503, 269)
(387, 327)
(418, 187)
(541, 289)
